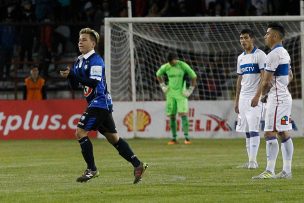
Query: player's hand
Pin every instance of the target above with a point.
(64, 73)
(254, 101)
(264, 98)
(236, 108)
(164, 87)
(188, 91)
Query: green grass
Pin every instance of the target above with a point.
(45, 171)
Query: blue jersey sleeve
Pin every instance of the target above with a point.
(74, 84)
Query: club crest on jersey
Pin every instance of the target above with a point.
(284, 120)
(87, 91)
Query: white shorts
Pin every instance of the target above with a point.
(277, 116)
(249, 117)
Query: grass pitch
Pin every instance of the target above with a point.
(45, 171)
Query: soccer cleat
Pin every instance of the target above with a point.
(139, 171)
(283, 175)
(187, 141)
(171, 142)
(265, 175)
(245, 165)
(253, 165)
(87, 175)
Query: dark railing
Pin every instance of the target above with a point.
(21, 69)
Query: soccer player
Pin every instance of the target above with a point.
(89, 71)
(176, 93)
(279, 102)
(250, 69)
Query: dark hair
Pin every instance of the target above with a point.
(171, 56)
(249, 32)
(277, 27)
(34, 66)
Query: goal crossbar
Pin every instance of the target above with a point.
(203, 19)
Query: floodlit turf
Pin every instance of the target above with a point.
(45, 171)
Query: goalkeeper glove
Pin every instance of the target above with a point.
(164, 87)
(188, 91)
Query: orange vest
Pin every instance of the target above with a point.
(34, 89)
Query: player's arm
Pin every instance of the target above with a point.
(193, 77)
(95, 76)
(290, 76)
(64, 72)
(256, 98)
(237, 94)
(160, 79)
(238, 86)
(194, 82)
(266, 85)
(69, 74)
(272, 62)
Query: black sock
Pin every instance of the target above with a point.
(125, 151)
(87, 152)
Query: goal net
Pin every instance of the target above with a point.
(209, 45)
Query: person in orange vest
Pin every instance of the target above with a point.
(35, 88)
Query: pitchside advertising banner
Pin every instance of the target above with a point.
(49, 119)
(57, 119)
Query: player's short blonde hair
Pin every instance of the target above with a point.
(93, 34)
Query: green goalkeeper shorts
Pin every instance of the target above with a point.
(176, 104)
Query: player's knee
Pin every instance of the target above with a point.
(182, 114)
(172, 117)
(80, 133)
(112, 137)
(283, 136)
(269, 135)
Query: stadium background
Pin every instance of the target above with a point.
(43, 170)
(46, 33)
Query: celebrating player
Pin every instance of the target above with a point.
(279, 102)
(250, 68)
(176, 93)
(89, 71)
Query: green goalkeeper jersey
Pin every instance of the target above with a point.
(175, 76)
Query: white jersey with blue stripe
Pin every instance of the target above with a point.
(249, 66)
(278, 62)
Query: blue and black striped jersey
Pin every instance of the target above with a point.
(89, 71)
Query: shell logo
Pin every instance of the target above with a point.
(143, 120)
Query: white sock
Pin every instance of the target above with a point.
(287, 152)
(272, 150)
(248, 147)
(254, 147)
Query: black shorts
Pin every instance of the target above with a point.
(97, 119)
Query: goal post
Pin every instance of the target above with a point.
(210, 45)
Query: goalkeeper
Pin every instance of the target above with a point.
(176, 93)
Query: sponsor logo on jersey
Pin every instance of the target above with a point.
(143, 120)
(87, 91)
